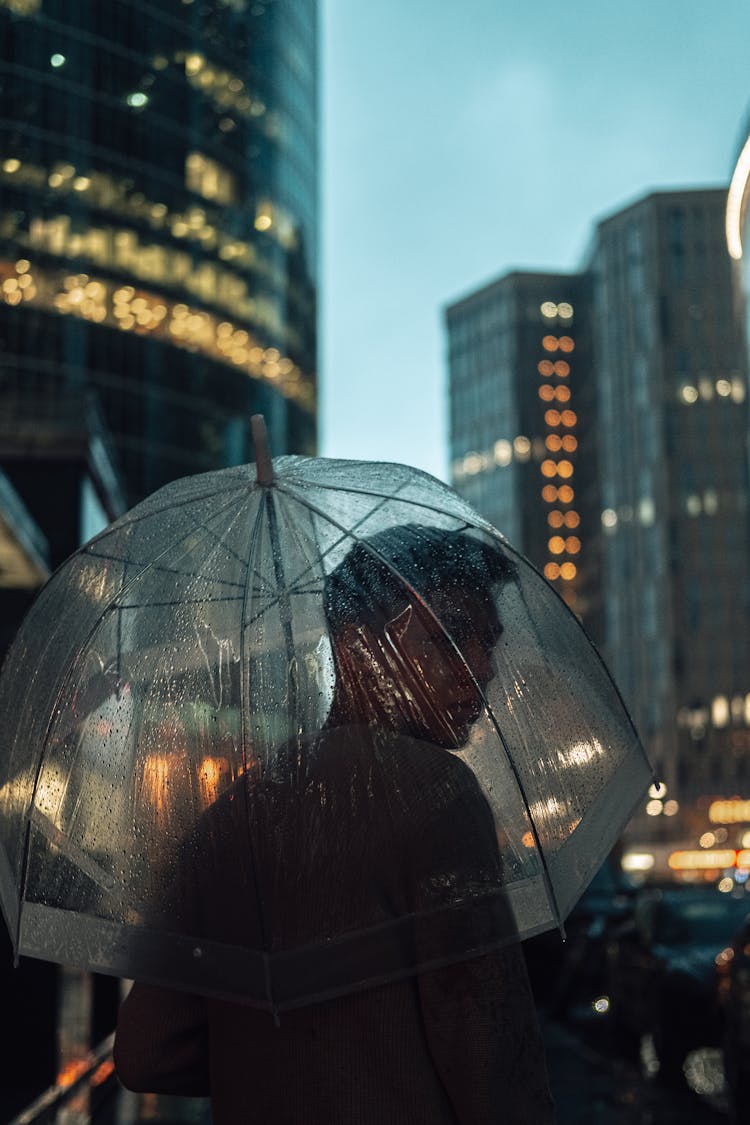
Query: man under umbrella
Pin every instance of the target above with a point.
(366, 827)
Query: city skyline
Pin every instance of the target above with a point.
(420, 207)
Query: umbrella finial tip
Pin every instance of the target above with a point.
(262, 455)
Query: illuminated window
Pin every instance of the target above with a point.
(552, 571)
(720, 711)
(569, 418)
(572, 519)
(568, 571)
(503, 452)
(549, 493)
(572, 544)
(566, 494)
(546, 367)
(264, 217)
(22, 7)
(552, 417)
(208, 178)
(556, 519)
(569, 443)
(556, 544)
(566, 344)
(546, 392)
(564, 469)
(562, 394)
(561, 368)
(550, 343)
(553, 443)
(549, 469)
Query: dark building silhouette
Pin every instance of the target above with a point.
(158, 221)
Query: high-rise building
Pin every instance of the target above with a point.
(158, 222)
(641, 520)
(518, 352)
(672, 414)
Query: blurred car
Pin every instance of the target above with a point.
(733, 990)
(661, 971)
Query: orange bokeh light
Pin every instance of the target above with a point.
(546, 392)
(555, 519)
(549, 493)
(554, 443)
(549, 468)
(564, 469)
(566, 344)
(561, 368)
(562, 394)
(556, 544)
(569, 443)
(552, 417)
(572, 544)
(572, 519)
(550, 343)
(546, 367)
(568, 570)
(568, 418)
(566, 493)
(552, 571)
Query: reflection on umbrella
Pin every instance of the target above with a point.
(278, 734)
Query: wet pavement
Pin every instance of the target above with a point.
(592, 1085)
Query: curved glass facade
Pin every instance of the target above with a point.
(158, 221)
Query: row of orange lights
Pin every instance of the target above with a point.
(555, 443)
(554, 418)
(553, 343)
(709, 860)
(564, 494)
(546, 367)
(548, 393)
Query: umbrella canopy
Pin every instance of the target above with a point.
(280, 739)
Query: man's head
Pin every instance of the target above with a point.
(413, 623)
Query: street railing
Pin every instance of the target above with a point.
(94, 1074)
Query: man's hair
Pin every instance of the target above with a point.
(370, 586)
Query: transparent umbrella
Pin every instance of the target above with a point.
(281, 733)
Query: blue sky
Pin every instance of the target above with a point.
(463, 140)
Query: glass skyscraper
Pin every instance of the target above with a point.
(600, 420)
(518, 353)
(158, 222)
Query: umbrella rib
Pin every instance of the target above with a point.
(157, 569)
(345, 534)
(244, 704)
